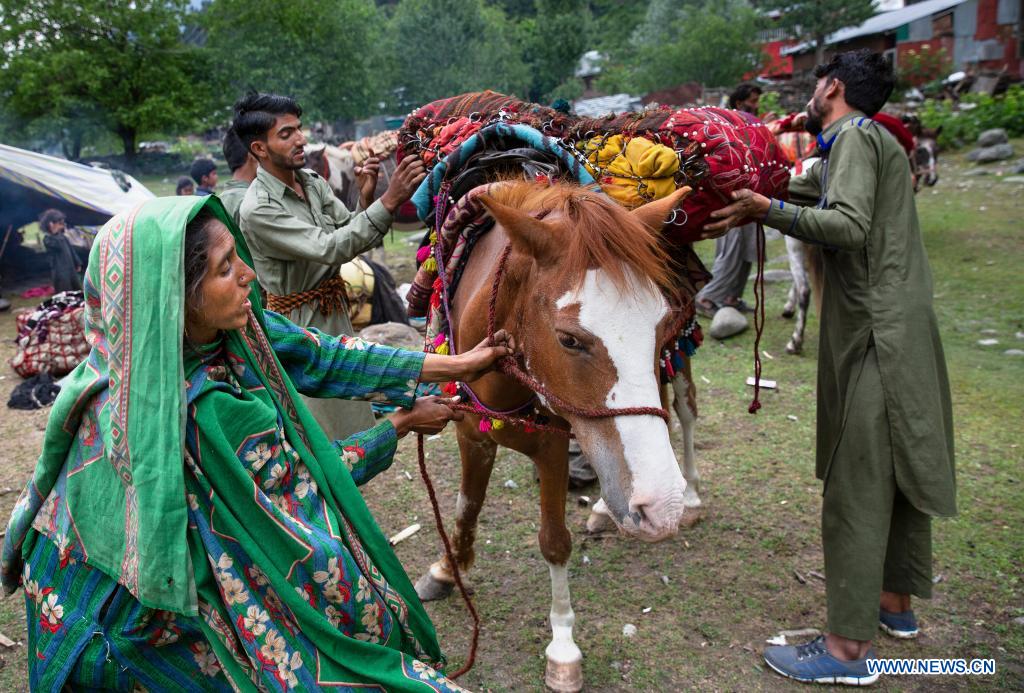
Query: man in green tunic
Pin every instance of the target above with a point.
(243, 167)
(300, 234)
(885, 426)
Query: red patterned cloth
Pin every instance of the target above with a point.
(51, 339)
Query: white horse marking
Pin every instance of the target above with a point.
(626, 321)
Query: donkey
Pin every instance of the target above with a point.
(584, 294)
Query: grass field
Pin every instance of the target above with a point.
(730, 579)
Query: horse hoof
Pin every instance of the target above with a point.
(564, 677)
(429, 588)
(600, 523)
(691, 516)
(788, 314)
(793, 348)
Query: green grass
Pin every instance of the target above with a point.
(730, 578)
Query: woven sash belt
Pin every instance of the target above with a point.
(330, 293)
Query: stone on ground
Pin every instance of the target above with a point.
(997, 152)
(1013, 179)
(992, 137)
(393, 334)
(728, 322)
(1018, 167)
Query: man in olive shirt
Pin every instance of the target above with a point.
(885, 425)
(243, 167)
(300, 234)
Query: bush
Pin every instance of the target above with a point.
(962, 122)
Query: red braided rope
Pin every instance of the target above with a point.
(509, 367)
(456, 573)
(755, 404)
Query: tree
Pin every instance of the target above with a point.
(326, 55)
(556, 37)
(440, 48)
(714, 43)
(84, 63)
(814, 20)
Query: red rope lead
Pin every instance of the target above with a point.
(450, 556)
(758, 319)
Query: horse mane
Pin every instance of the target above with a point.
(594, 232)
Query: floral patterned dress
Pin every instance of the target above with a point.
(282, 579)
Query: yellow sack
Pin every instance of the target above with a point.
(633, 171)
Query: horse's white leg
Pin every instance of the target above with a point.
(789, 310)
(685, 404)
(801, 292)
(565, 661)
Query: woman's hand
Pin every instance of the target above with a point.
(428, 415)
(482, 358)
(470, 365)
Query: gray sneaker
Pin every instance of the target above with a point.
(812, 663)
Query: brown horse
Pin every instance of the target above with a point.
(584, 294)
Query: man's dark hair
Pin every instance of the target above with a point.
(200, 168)
(255, 114)
(742, 93)
(867, 76)
(184, 182)
(235, 153)
(49, 217)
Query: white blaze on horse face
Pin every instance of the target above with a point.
(626, 321)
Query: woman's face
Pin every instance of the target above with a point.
(223, 301)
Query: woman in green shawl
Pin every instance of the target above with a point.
(188, 525)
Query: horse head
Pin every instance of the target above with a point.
(587, 283)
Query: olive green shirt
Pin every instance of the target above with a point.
(296, 244)
(232, 196)
(857, 201)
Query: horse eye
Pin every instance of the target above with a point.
(570, 342)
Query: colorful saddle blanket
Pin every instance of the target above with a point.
(715, 151)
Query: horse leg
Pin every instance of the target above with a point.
(685, 404)
(801, 292)
(477, 453)
(789, 310)
(564, 670)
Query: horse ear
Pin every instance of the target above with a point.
(653, 215)
(527, 234)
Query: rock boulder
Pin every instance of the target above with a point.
(728, 322)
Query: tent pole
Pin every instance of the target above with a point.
(7, 237)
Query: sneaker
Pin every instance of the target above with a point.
(812, 663)
(902, 625)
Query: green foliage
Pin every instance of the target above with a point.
(918, 67)
(439, 48)
(88, 63)
(326, 55)
(770, 103)
(702, 41)
(554, 42)
(976, 113)
(813, 20)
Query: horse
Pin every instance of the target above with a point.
(581, 283)
(806, 261)
(925, 158)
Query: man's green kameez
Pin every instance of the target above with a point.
(296, 245)
(885, 425)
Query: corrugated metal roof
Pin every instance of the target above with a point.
(881, 23)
